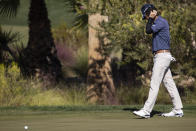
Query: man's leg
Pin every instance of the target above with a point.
(172, 89)
(161, 65)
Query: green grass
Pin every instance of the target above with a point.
(87, 108)
(92, 118)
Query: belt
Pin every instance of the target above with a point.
(161, 51)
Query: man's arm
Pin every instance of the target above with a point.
(152, 16)
(149, 25)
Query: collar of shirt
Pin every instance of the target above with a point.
(157, 19)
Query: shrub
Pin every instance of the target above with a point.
(16, 91)
(75, 95)
(134, 95)
(72, 50)
(70, 37)
(138, 95)
(12, 86)
(65, 54)
(81, 65)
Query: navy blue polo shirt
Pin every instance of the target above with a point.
(161, 35)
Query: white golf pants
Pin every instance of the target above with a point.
(161, 72)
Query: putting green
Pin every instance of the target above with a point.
(115, 120)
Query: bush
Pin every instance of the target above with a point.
(16, 91)
(81, 65)
(59, 97)
(126, 30)
(75, 95)
(13, 87)
(138, 95)
(72, 50)
(70, 37)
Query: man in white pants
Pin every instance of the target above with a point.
(159, 27)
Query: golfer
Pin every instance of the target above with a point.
(159, 27)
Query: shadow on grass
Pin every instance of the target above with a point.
(154, 112)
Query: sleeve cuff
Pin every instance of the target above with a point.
(150, 20)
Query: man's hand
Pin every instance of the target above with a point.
(153, 14)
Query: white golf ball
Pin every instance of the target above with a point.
(25, 127)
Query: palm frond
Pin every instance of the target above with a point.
(19, 54)
(71, 4)
(8, 37)
(9, 8)
(76, 5)
(79, 7)
(81, 22)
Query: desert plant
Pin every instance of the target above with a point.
(7, 39)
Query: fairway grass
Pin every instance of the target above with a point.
(93, 118)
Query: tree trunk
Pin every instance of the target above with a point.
(100, 88)
(40, 55)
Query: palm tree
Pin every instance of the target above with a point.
(39, 58)
(100, 87)
(40, 54)
(80, 9)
